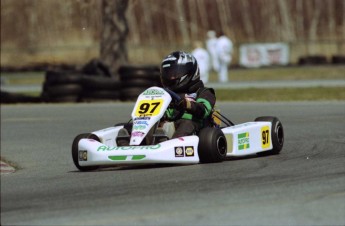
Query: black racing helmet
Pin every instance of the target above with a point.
(179, 71)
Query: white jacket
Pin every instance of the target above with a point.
(224, 49)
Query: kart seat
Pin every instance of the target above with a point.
(160, 136)
(123, 137)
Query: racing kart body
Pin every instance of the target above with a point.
(150, 139)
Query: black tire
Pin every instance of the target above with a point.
(101, 94)
(141, 75)
(312, 60)
(96, 67)
(62, 77)
(64, 99)
(145, 72)
(212, 145)
(338, 59)
(277, 134)
(131, 93)
(62, 90)
(18, 98)
(75, 153)
(103, 83)
(146, 83)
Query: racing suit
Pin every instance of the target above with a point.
(202, 57)
(224, 50)
(197, 106)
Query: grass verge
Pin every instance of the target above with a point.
(286, 94)
(323, 72)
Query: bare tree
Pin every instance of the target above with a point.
(182, 22)
(248, 24)
(114, 34)
(287, 26)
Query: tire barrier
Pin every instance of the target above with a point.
(135, 79)
(338, 59)
(100, 89)
(96, 67)
(38, 67)
(62, 86)
(12, 98)
(93, 82)
(312, 60)
(67, 86)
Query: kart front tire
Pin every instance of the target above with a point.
(212, 145)
(75, 153)
(277, 134)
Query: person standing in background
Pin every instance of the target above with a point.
(202, 57)
(211, 46)
(224, 50)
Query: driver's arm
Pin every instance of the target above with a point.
(202, 107)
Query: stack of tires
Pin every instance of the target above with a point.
(13, 98)
(338, 59)
(62, 86)
(93, 82)
(312, 60)
(135, 79)
(99, 89)
(98, 83)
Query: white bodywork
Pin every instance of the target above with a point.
(248, 138)
(242, 139)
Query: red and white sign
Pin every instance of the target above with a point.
(264, 54)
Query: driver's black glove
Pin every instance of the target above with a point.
(185, 103)
(181, 105)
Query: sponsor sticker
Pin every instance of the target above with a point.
(243, 141)
(141, 122)
(124, 148)
(137, 134)
(139, 127)
(142, 118)
(153, 92)
(189, 151)
(179, 151)
(82, 155)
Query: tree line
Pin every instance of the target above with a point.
(32, 26)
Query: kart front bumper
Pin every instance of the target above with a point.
(176, 151)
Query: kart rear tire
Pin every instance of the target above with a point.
(277, 135)
(212, 145)
(75, 153)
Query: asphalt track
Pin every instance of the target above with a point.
(304, 185)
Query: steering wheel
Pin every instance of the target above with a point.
(176, 98)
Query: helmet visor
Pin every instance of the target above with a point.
(170, 83)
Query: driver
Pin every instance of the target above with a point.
(180, 73)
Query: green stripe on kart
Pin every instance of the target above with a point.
(243, 146)
(124, 157)
(243, 135)
(138, 157)
(118, 157)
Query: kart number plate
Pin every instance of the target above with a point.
(148, 107)
(265, 137)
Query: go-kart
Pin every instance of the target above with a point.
(149, 137)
